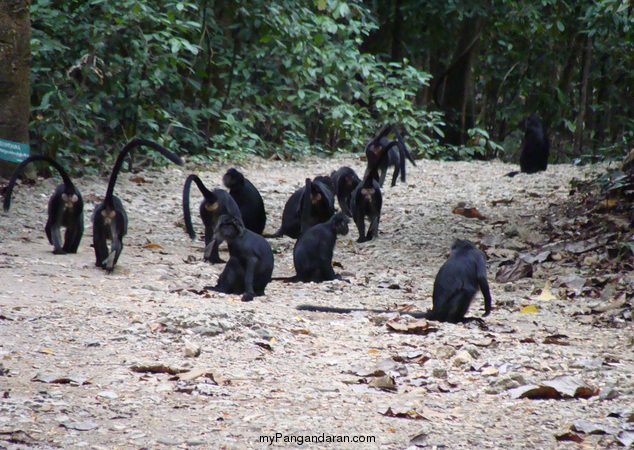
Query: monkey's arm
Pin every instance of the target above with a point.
(484, 288)
(249, 293)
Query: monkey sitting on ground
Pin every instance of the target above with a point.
(110, 221)
(536, 149)
(309, 205)
(312, 255)
(215, 204)
(396, 156)
(457, 282)
(345, 180)
(248, 199)
(250, 264)
(65, 208)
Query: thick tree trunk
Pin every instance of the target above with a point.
(457, 101)
(583, 95)
(15, 65)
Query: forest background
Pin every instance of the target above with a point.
(219, 79)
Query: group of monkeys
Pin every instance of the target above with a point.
(238, 218)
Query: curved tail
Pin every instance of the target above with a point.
(7, 194)
(209, 196)
(119, 162)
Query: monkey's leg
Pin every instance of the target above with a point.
(74, 233)
(359, 220)
(54, 233)
(212, 252)
(115, 250)
(373, 229)
(101, 245)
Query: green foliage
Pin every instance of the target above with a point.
(214, 80)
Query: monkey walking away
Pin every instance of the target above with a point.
(250, 264)
(536, 148)
(312, 254)
(396, 156)
(248, 199)
(457, 282)
(110, 221)
(65, 208)
(215, 203)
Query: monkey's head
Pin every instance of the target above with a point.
(532, 121)
(341, 223)
(233, 179)
(229, 228)
(462, 243)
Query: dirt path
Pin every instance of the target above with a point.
(269, 368)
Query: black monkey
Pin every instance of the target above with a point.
(250, 264)
(65, 208)
(312, 255)
(215, 204)
(457, 282)
(110, 221)
(366, 200)
(396, 156)
(345, 180)
(318, 204)
(248, 199)
(305, 210)
(536, 149)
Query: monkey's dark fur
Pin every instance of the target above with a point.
(457, 282)
(110, 221)
(65, 208)
(248, 199)
(312, 204)
(250, 264)
(345, 180)
(396, 156)
(215, 204)
(536, 149)
(312, 255)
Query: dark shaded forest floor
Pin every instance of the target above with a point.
(97, 361)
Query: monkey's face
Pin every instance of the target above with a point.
(229, 228)
(315, 197)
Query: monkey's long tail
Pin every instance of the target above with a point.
(316, 308)
(9, 191)
(119, 162)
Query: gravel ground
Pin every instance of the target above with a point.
(97, 361)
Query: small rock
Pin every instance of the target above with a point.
(445, 352)
(462, 358)
(490, 372)
(192, 350)
(108, 394)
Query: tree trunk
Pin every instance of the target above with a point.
(583, 95)
(15, 65)
(457, 101)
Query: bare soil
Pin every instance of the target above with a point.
(84, 354)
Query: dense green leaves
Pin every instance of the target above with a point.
(223, 79)
(214, 79)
